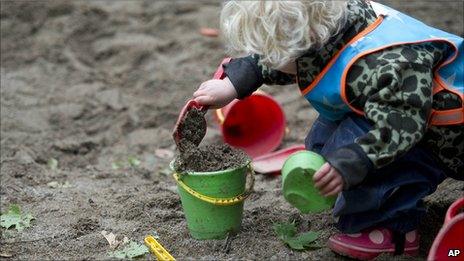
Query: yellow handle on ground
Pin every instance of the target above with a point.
(158, 250)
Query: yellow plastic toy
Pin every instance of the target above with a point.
(158, 250)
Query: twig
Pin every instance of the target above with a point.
(229, 238)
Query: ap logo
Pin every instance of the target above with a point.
(454, 252)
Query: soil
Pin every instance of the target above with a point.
(192, 129)
(92, 83)
(209, 158)
(213, 157)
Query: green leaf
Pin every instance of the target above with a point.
(293, 243)
(13, 218)
(285, 230)
(287, 233)
(117, 165)
(52, 163)
(307, 237)
(132, 250)
(133, 161)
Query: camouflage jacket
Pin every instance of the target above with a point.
(397, 79)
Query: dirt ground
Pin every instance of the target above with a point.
(93, 84)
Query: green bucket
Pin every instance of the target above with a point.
(213, 201)
(297, 182)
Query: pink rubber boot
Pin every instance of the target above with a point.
(370, 243)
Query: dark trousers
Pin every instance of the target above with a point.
(390, 196)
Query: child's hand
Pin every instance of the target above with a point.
(328, 180)
(215, 93)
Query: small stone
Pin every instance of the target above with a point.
(24, 156)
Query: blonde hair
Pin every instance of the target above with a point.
(279, 31)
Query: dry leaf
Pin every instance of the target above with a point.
(56, 184)
(52, 164)
(53, 184)
(111, 238)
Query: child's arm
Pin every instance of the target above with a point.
(247, 74)
(244, 76)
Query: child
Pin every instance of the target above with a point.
(389, 92)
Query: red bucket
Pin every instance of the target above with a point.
(255, 124)
(449, 244)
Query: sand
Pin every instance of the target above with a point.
(191, 129)
(93, 83)
(194, 158)
(212, 157)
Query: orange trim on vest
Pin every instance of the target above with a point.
(318, 78)
(436, 78)
(448, 117)
(442, 85)
(436, 88)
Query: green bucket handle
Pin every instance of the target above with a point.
(220, 201)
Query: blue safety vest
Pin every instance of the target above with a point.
(327, 92)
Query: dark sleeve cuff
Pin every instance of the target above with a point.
(352, 163)
(244, 75)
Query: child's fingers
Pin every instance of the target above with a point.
(202, 86)
(321, 172)
(330, 186)
(204, 100)
(201, 89)
(199, 92)
(335, 191)
(324, 180)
